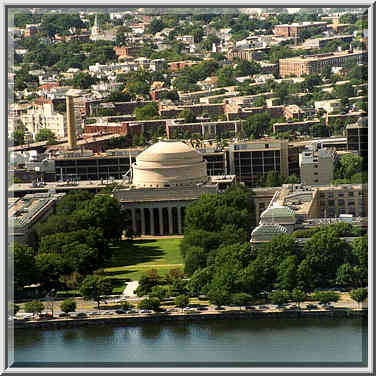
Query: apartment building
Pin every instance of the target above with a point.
(295, 29)
(303, 65)
(317, 165)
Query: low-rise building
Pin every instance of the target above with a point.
(331, 105)
(24, 213)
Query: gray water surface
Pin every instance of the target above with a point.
(242, 340)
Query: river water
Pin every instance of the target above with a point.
(259, 342)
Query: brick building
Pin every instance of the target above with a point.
(295, 29)
(302, 65)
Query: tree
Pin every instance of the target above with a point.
(359, 295)
(181, 301)
(147, 112)
(344, 91)
(34, 307)
(257, 125)
(149, 303)
(83, 80)
(147, 281)
(68, 305)
(94, 287)
(226, 77)
(18, 137)
(22, 263)
(360, 251)
(240, 299)
(188, 116)
(156, 25)
(46, 134)
(298, 296)
(287, 273)
(158, 292)
(350, 165)
(246, 68)
(13, 308)
(73, 201)
(126, 306)
(279, 297)
(103, 212)
(51, 267)
(325, 297)
(324, 253)
(273, 179)
(198, 283)
(218, 296)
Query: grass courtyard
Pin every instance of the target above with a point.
(131, 259)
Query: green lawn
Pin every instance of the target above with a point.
(131, 259)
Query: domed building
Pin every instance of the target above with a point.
(169, 164)
(165, 179)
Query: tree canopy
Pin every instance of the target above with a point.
(94, 287)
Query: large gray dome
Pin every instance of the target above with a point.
(169, 164)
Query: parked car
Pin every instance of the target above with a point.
(120, 311)
(81, 314)
(311, 306)
(62, 314)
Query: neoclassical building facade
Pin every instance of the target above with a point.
(165, 179)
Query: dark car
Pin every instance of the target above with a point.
(120, 311)
(311, 306)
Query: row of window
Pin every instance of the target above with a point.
(342, 194)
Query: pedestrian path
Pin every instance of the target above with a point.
(129, 290)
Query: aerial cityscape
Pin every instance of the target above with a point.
(187, 186)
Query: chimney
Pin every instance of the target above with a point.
(71, 123)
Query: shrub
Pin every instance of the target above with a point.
(68, 305)
(181, 301)
(34, 307)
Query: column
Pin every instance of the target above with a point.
(142, 221)
(170, 218)
(134, 227)
(160, 221)
(180, 225)
(152, 230)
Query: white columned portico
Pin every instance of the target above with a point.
(160, 212)
(170, 224)
(142, 221)
(134, 227)
(180, 227)
(152, 230)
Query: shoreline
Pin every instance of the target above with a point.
(157, 317)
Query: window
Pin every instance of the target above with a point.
(341, 202)
(340, 194)
(351, 203)
(315, 166)
(331, 202)
(316, 180)
(351, 194)
(315, 173)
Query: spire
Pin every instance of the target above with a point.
(96, 20)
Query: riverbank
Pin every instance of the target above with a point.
(155, 317)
